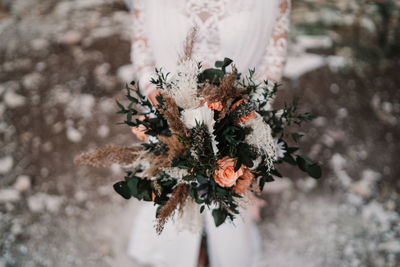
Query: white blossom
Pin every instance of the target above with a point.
(184, 85)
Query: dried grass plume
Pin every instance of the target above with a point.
(104, 157)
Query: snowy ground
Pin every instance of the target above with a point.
(61, 68)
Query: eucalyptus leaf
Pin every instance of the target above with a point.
(314, 171)
(219, 216)
(122, 189)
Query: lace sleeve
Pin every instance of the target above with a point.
(141, 54)
(275, 56)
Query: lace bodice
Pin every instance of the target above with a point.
(252, 32)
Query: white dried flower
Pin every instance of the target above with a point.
(184, 85)
(202, 114)
(261, 138)
(175, 172)
(279, 149)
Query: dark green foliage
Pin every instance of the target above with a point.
(214, 76)
(307, 165)
(138, 106)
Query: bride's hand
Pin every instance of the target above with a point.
(139, 131)
(153, 94)
(255, 207)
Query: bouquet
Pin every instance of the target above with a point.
(212, 138)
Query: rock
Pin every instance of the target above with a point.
(6, 164)
(32, 81)
(103, 131)
(41, 202)
(74, 135)
(297, 66)
(80, 106)
(2, 109)
(9, 195)
(334, 88)
(381, 113)
(278, 186)
(307, 184)
(361, 188)
(336, 63)
(23, 183)
(81, 196)
(16, 228)
(338, 163)
(126, 73)
(40, 44)
(371, 176)
(305, 42)
(366, 185)
(319, 122)
(13, 100)
(392, 246)
(342, 113)
(375, 213)
(70, 38)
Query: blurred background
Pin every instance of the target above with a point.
(63, 64)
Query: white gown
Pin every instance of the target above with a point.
(253, 34)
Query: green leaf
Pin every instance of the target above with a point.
(120, 105)
(297, 137)
(276, 173)
(223, 64)
(289, 159)
(291, 150)
(211, 75)
(122, 189)
(238, 164)
(314, 171)
(202, 208)
(301, 162)
(133, 186)
(219, 216)
(201, 179)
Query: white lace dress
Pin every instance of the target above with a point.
(253, 34)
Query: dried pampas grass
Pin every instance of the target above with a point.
(225, 93)
(171, 114)
(189, 44)
(104, 157)
(177, 201)
(175, 147)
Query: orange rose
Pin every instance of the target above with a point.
(247, 117)
(216, 106)
(244, 182)
(225, 174)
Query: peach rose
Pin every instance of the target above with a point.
(225, 174)
(247, 117)
(216, 106)
(244, 182)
